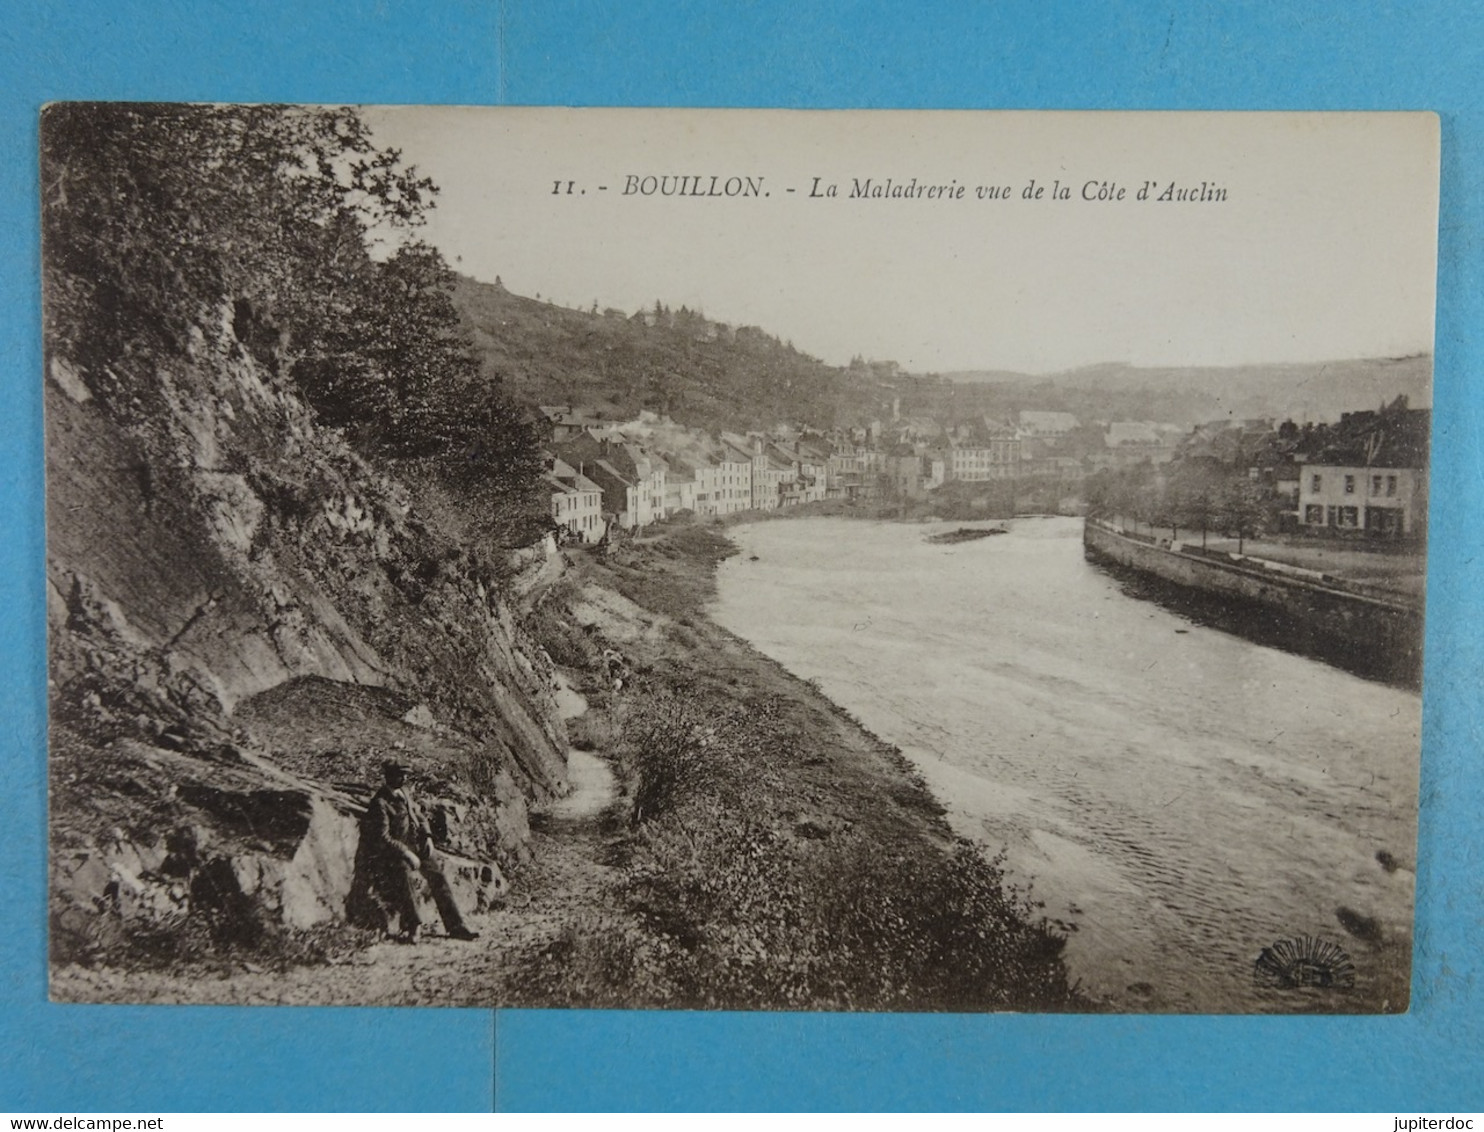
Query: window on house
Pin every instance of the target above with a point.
(1332, 516)
(1349, 485)
(1390, 485)
(1314, 515)
(1375, 485)
(1349, 517)
(1316, 483)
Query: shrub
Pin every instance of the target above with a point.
(565, 642)
(754, 918)
(593, 731)
(597, 960)
(665, 743)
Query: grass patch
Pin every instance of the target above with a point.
(673, 573)
(551, 626)
(591, 731)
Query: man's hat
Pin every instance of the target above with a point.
(392, 766)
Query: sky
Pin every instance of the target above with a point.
(1323, 248)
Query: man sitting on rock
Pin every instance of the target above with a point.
(396, 844)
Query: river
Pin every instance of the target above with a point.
(1177, 795)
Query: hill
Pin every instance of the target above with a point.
(1318, 391)
(679, 363)
(711, 375)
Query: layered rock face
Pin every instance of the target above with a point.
(245, 619)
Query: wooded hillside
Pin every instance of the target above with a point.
(676, 362)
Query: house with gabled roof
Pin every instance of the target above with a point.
(564, 422)
(576, 503)
(632, 478)
(1042, 423)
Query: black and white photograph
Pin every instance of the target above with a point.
(736, 559)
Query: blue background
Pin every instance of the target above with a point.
(1013, 53)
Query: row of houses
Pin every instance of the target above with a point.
(606, 472)
(907, 457)
(1367, 475)
(1050, 444)
(598, 478)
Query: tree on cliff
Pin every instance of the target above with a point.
(382, 368)
(154, 215)
(158, 220)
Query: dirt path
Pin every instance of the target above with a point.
(593, 788)
(570, 702)
(483, 972)
(1388, 569)
(567, 842)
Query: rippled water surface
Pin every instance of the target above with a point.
(1182, 796)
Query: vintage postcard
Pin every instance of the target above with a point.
(736, 559)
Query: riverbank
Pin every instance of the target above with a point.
(766, 852)
(943, 504)
(1365, 629)
(740, 843)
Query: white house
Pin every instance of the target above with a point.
(681, 485)
(1384, 502)
(576, 503)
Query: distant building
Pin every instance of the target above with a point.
(814, 461)
(1037, 423)
(632, 479)
(1126, 443)
(845, 476)
(620, 494)
(975, 461)
(733, 482)
(576, 503)
(1067, 469)
(1377, 501)
(1285, 478)
(1142, 433)
(780, 476)
(768, 472)
(565, 423)
(707, 486)
(904, 473)
(1371, 480)
(804, 473)
(681, 483)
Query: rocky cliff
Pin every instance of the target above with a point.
(245, 619)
